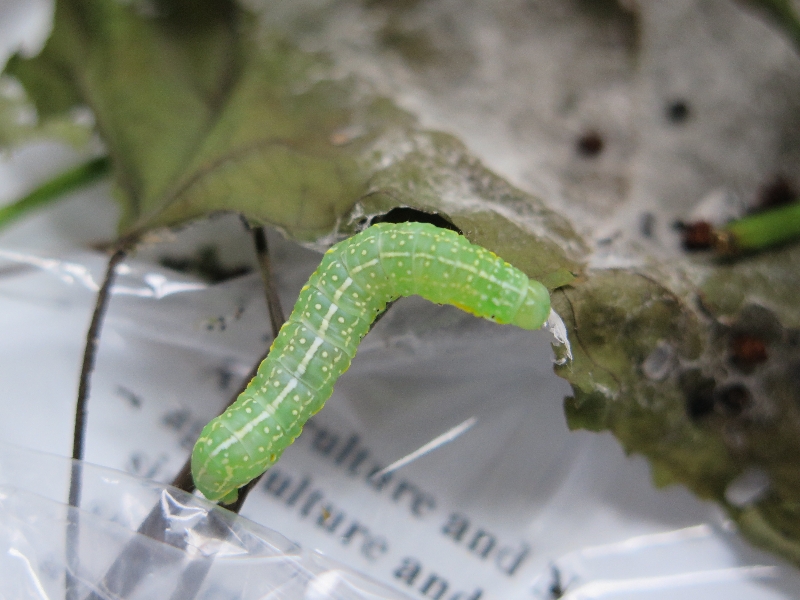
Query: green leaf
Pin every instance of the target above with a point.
(200, 113)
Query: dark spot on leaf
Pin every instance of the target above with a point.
(590, 144)
(699, 394)
(758, 321)
(677, 111)
(697, 236)
(733, 399)
(747, 350)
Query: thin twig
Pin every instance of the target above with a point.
(133, 562)
(276, 319)
(276, 316)
(79, 433)
(90, 353)
(183, 480)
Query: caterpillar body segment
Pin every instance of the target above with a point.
(353, 284)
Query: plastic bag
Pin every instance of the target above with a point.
(441, 466)
(139, 539)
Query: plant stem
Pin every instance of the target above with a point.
(53, 189)
(79, 433)
(132, 563)
(761, 231)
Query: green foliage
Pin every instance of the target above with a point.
(52, 190)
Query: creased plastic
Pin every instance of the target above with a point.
(139, 539)
(441, 467)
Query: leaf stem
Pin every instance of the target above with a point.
(79, 433)
(132, 563)
(760, 231)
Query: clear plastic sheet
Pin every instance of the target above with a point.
(441, 467)
(139, 539)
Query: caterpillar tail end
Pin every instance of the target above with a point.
(535, 308)
(230, 498)
(214, 485)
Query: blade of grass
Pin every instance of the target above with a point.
(55, 188)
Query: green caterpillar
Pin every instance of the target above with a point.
(353, 284)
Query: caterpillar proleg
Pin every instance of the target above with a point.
(335, 309)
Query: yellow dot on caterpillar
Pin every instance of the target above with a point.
(225, 461)
(266, 429)
(248, 410)
(399, 263)
(318, 306)
(335, 278)
(245, 458)
(277, 384)
(209, 442)
(363, 253)
(261, 449)
(324, 354)
(340, 319)
(302, 340)
(297, 397)
(294, 412)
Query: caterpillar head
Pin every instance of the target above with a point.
(533, 312)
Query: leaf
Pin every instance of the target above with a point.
(20, 123)
(198, 114)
